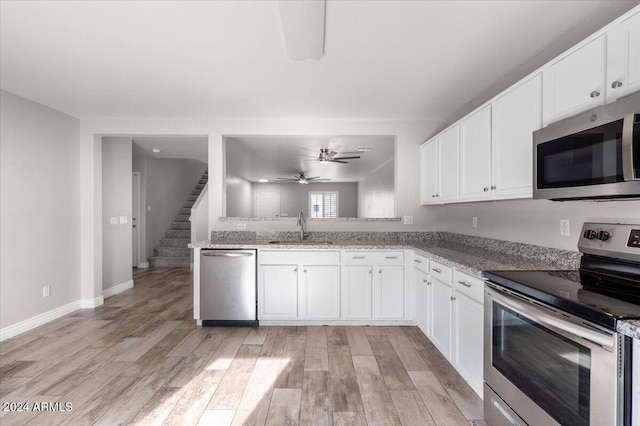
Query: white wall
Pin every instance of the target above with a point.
(376, 193)
(39, 208)
(168, 184)
(239, 197)
(139, 164)
(536, 221)
(116, 203)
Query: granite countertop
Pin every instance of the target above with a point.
(466, 258)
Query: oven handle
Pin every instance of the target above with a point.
(600, 338)
(504, 412)
(627, 148)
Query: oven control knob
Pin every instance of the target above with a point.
(590, 234)
(603, 235)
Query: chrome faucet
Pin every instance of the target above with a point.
(301, 223)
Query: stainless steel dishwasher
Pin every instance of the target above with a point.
(228, 288)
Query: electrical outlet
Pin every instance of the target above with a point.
(123, 219)
(242, 226)
(408, 220)
(46, 291)
(565, 225)
(474, 222)
(113, 220)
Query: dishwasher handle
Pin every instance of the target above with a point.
(225, 254)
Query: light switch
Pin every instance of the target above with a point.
(408, 220)
(113, 221)
(148, 208)
(123, 219)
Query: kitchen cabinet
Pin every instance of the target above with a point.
(279, 288)
(299, 285)
(575, 82)
(383, 273)
(357, 289)
(468, 330)
(475, 155)
(440, 162)
(623, 58)
(441, 308)
(516, 114)
(320, 292)
(422, 293)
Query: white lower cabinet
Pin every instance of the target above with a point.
(421, 293)
(279, 291)
(388, 292)
(468, 339)
(441, 316)
(357, 290)
(320, 292)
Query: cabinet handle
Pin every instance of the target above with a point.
(424, 280)
(370, 272)
(359, 257)
(391, 257)
(304, 270)
(417, 260)
(380, 271)
(434, 196)
(595, 94)
(453, 298)
(436, 270)
(464, 283)
(295, 270)
(494, 186)
(616, 84)
(485, 189)
(428, 282)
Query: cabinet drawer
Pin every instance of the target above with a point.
(421, 262)
(374, 257)
(440, 272)
(306, 257)
(471, 286)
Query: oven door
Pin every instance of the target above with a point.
(547, 367)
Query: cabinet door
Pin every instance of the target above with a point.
(468, 340)
(441, 316)
(623, 58)
(574, 83)
(421, 300)
(356, 292)
(280, 291)
(321, 292)
(429, 172)
(449, 165)
(515, 116)
(389, 292)
(475, 155)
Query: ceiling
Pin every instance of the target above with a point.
(193, 147)
(410, 60)
(271, 157)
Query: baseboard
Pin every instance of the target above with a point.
(143, 265)
(91, 303)
(117, 289)
(38, 320)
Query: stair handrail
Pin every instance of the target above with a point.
(200, 212)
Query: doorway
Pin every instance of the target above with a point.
(135, 212)
(267, 203)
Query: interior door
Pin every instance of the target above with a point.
(267, 203)
(135, 211)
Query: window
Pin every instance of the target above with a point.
(323, 205)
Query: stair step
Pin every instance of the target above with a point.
(174, 242)
(172, 252)
(169, 262)
(186, 211)
(188, 204)
(192, 198)
(203, 181)
(196, 193)
(178, 233)
(181, 225)
(199, 186)
(183, 217)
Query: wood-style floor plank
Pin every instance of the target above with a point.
(140, 360)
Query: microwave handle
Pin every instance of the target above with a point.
(627, 148)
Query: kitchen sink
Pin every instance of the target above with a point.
(311, 243)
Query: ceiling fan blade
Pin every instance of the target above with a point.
(313, 177)
(346, 158)
(349, 153)
(338, 161)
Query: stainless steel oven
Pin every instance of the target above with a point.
(553, 350)
(594, 155)
(547, 366)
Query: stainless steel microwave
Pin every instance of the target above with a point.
(594, 155)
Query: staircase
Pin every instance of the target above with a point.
(173, 250)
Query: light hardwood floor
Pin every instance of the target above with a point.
(140, 359)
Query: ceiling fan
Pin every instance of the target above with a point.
(327, 156)
(301, 178)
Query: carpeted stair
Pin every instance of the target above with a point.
(173, 250)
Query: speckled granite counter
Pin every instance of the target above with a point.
(630, 328)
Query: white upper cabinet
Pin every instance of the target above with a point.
(440, 159)
(449, 161)
(429, 171)
(516, 114)
(575, 82)
(623, 58)
(475, 158)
